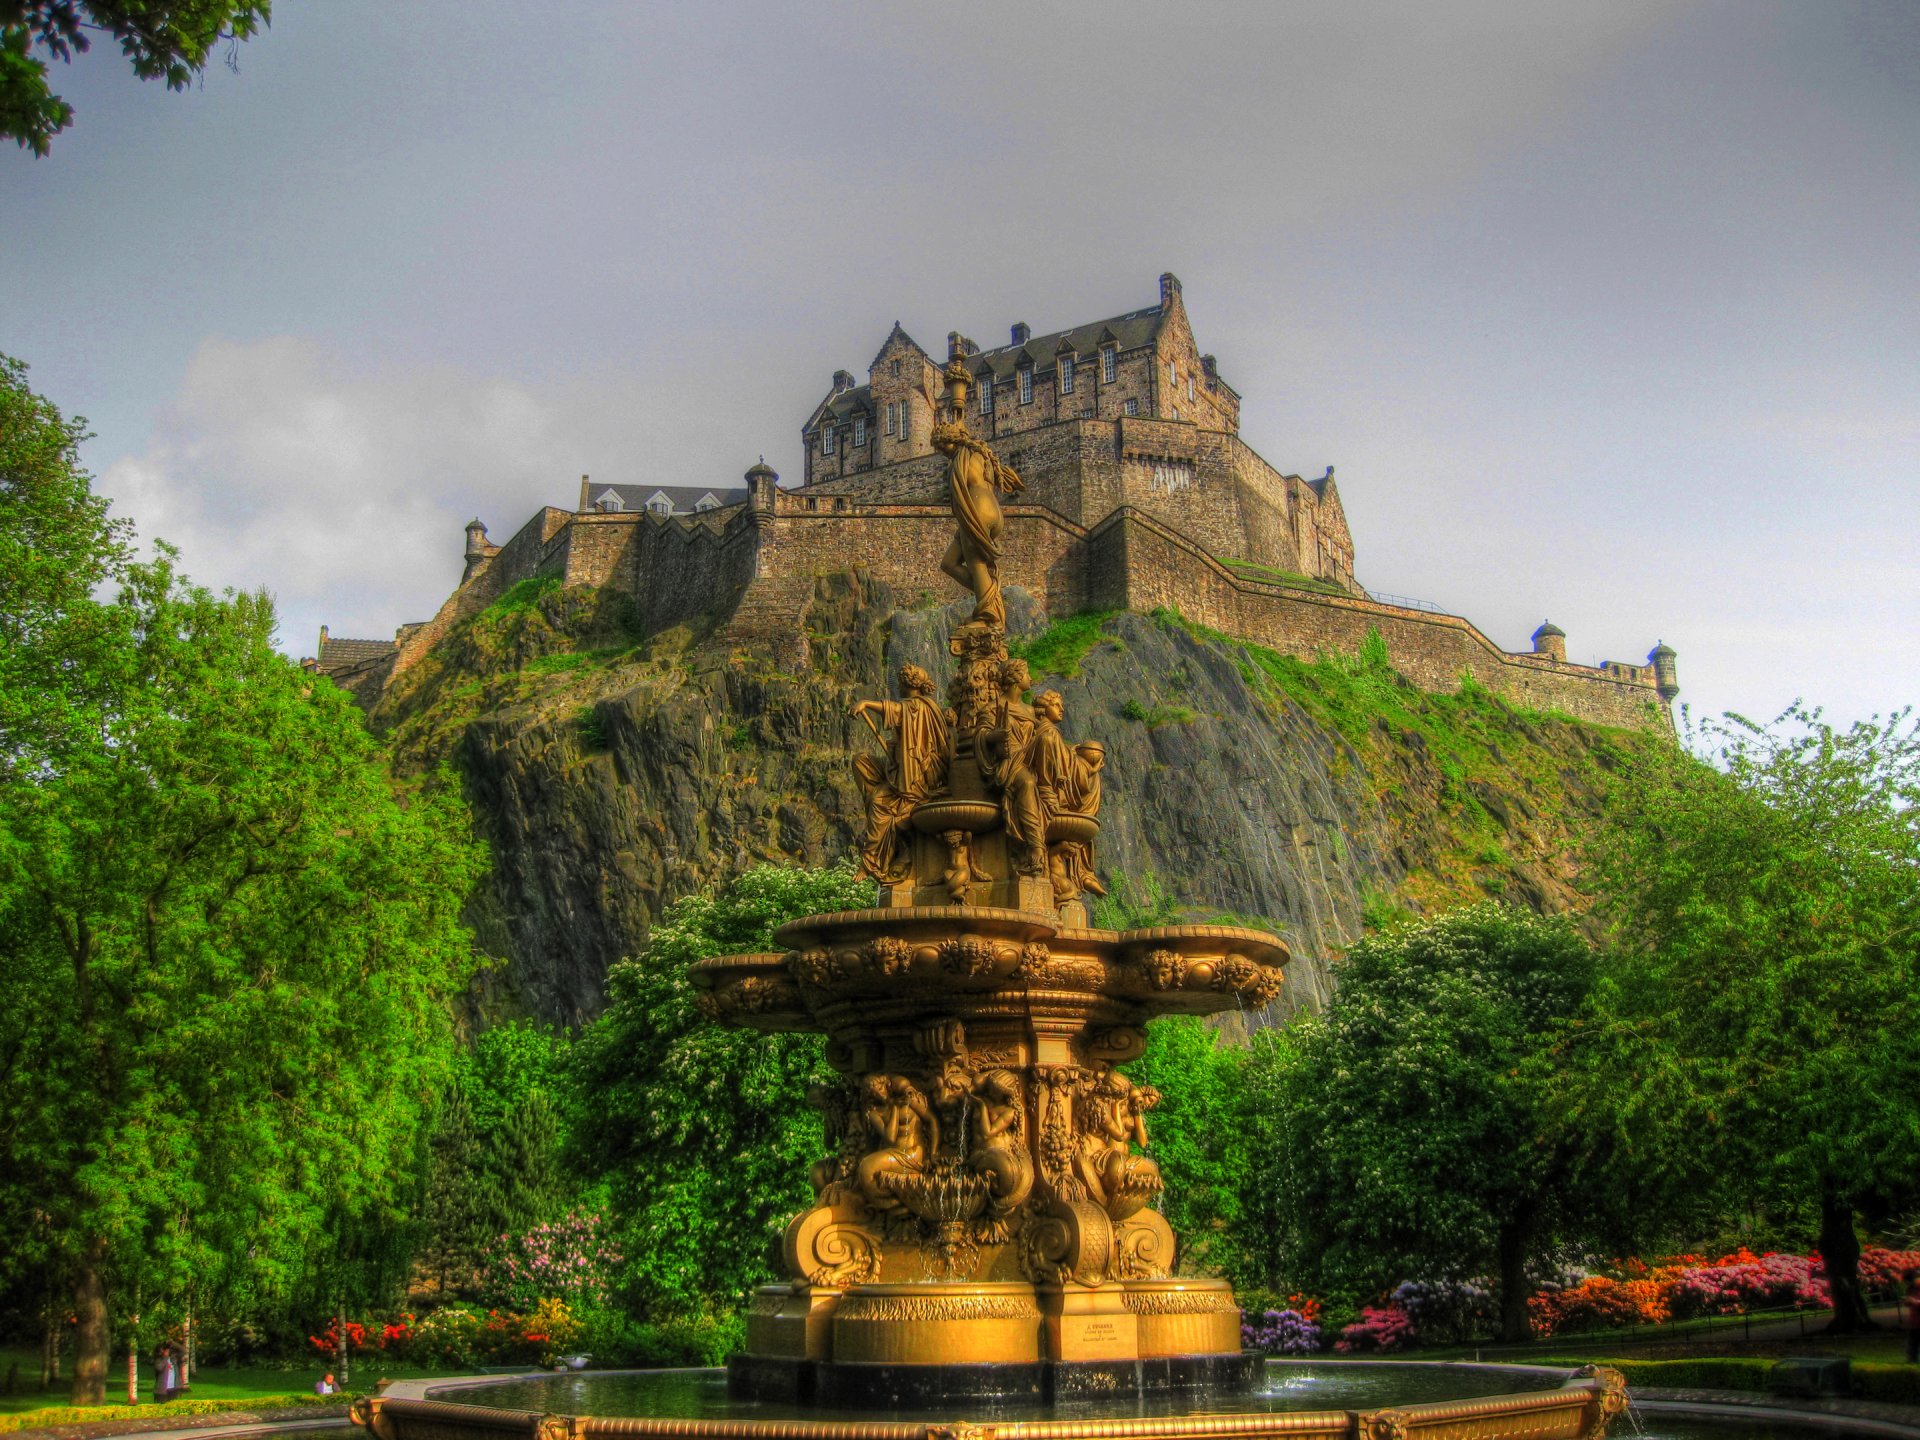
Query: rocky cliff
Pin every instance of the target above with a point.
(612, 771)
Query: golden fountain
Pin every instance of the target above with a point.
(983, 1216)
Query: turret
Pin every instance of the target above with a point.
(762, 484)
(1666, 673)
(478, 547)
(1550, 641)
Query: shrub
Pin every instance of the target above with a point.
(1744, 1281)
(1280, 1332)
(1598, 1302)
(1378, 1328)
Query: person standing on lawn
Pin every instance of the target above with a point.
(163, 1375)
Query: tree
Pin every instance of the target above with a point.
(1405, 1130)
(1197, 1138)
(57, 543)
(702, 1132)
(230, 947)
(1763, 1012)
(170, 40)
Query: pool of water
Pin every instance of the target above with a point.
(702, 1394)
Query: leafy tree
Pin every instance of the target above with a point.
(701, 1131)
(1762, 1022)
(170, 40)
(527, 1185)
(57, 543)
(453, 1218)
(1406, 1129)
(230, 948)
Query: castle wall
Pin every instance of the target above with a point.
(1138, 564)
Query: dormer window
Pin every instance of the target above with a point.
(609, 502)
(706, 502)
(660, 504)
(1066, 374)
(826, 440)
(1109, 364)
(986, 393)
(1026, 384)
(859, 429)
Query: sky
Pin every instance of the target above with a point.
(1608, 314)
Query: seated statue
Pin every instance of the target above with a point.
(1114, 1121)
(902, 1133)
(999, 1146)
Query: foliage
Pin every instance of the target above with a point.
(694, 1126)
(1757, 1036)
(1404, 1130)
(1195, 1133)
(1280, 1332)
(1059, 649)
(1450, 1309)
(570, 1258)
(57, 544)
(1380, 1328)
(170, 40)
(230, 949)
(1154, 716)
(1600, 1301)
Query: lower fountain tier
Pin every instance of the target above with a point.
(889, 1346)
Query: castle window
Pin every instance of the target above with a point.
(660, 504)
(1066, 374)
(1173, 376)
(1026, 384)
(892, 410)
(1109, 364)
(826, 441)
(705, 503)
(893, 367)
(859, 429)
(1189, 387)
(1131, 407)
(986, 394)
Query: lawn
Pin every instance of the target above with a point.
(236, 1388)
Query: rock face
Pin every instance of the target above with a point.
(611, 775)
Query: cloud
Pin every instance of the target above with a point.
(343, 492)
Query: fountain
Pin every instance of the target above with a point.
(983, 1234)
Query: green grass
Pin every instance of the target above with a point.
(522, 596)
(1154, 716)
(1059, 649)
(215, 1389)
(1268, 575)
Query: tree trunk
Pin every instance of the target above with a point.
(1513, 1281)
(90, 1339)
(340, 1344)
(186, 1349)
(133, 1360)
(1840, 1253)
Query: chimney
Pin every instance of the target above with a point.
(1022, 332)
(842, 380)
(585, 503)
(320, 651)
(1210, 367)
(959, 346)
(1169, 290)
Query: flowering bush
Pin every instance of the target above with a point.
(1446, 1309)
(1881, 1269)
(1600, 1301)
(571, 1258)
(1378, 1328)
(328, 1341)
(1743, 1281)
(1280, 1332)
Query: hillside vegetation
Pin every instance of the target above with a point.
(614, 771)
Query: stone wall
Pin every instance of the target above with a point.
(1136, 563)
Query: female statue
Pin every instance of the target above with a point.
(976, 478)
(914, 767)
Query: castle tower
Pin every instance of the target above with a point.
(762, 485)
(478, 546)
(1550, 642)
(902, 380)
(1666, 673)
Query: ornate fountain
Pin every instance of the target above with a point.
(983, 1220)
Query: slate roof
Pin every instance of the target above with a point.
(684, 498)
(1127, 332)
(845, 405)
(338, 654)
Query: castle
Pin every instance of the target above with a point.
(1139, 493)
